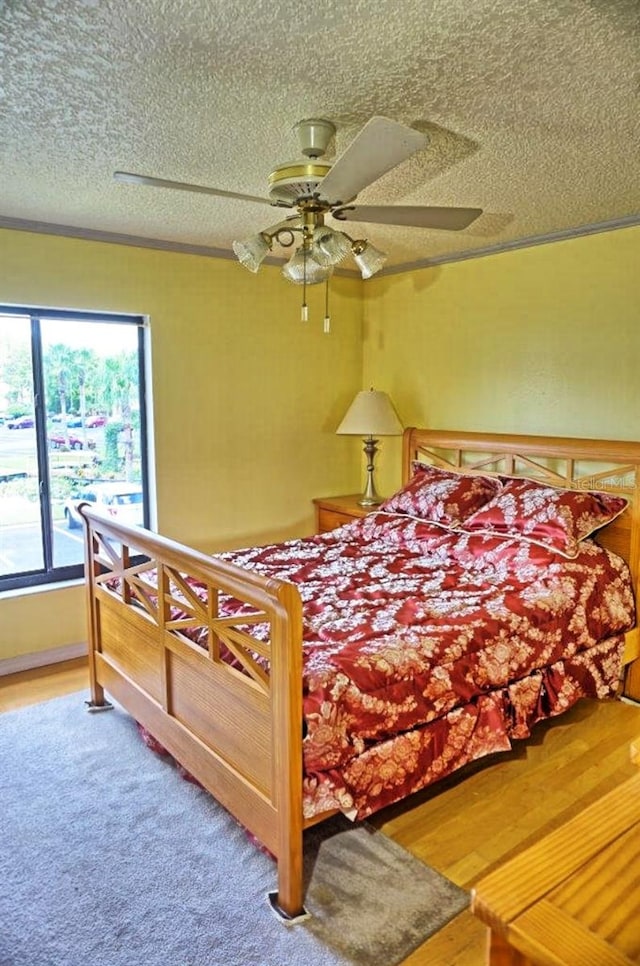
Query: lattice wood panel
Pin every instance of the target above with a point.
(178, 605)
(572, 473)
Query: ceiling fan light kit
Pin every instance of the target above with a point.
(252, 251)
(316, 189)
(367, 257)
(302, 268)
(329, 246)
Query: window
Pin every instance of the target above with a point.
(72, 427)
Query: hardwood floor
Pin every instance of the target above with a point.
(470, 824)
(42, 684)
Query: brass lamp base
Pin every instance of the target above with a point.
(370, 497)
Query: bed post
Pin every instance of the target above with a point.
(408, 453)
(98, 701)
(286, 698)
(631, 684)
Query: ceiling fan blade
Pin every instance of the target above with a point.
(127, 177)
(380, 146)
(412, 216)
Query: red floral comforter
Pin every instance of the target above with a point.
(425, 649)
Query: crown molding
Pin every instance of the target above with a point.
(110, 237)
(114, 238)
(564, 234)
(136, 241)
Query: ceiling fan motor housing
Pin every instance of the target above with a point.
(296, 180)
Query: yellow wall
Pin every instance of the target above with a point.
(246, 398)
(539, 340)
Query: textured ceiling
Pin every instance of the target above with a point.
(532, 109)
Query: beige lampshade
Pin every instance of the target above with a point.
(371, 414)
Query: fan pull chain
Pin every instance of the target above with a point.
(327, 317)
(305, 307)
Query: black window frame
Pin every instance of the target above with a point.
(49, 574)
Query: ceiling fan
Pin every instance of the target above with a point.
(314, 189)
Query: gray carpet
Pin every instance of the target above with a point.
(108, 856)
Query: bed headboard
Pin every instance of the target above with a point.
(594, 464)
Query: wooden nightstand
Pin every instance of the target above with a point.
(334, 511)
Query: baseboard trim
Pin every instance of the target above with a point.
(26, 662)
(632, 701)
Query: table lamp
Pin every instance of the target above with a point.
(370, 414)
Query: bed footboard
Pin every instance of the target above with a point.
(235, 725)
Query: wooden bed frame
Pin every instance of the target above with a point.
(240, 734)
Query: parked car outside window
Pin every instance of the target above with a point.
(22, 422)
(120, 499)
(59, 441)
(92, 422)
(71, 421)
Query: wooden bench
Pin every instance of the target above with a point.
(572, 899)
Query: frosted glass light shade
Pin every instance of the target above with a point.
(298, 272)
(252, 251)
(329, 246)
(371, 414)
(368, 258)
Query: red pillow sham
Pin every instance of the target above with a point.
(441, 496)
(553, 517)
